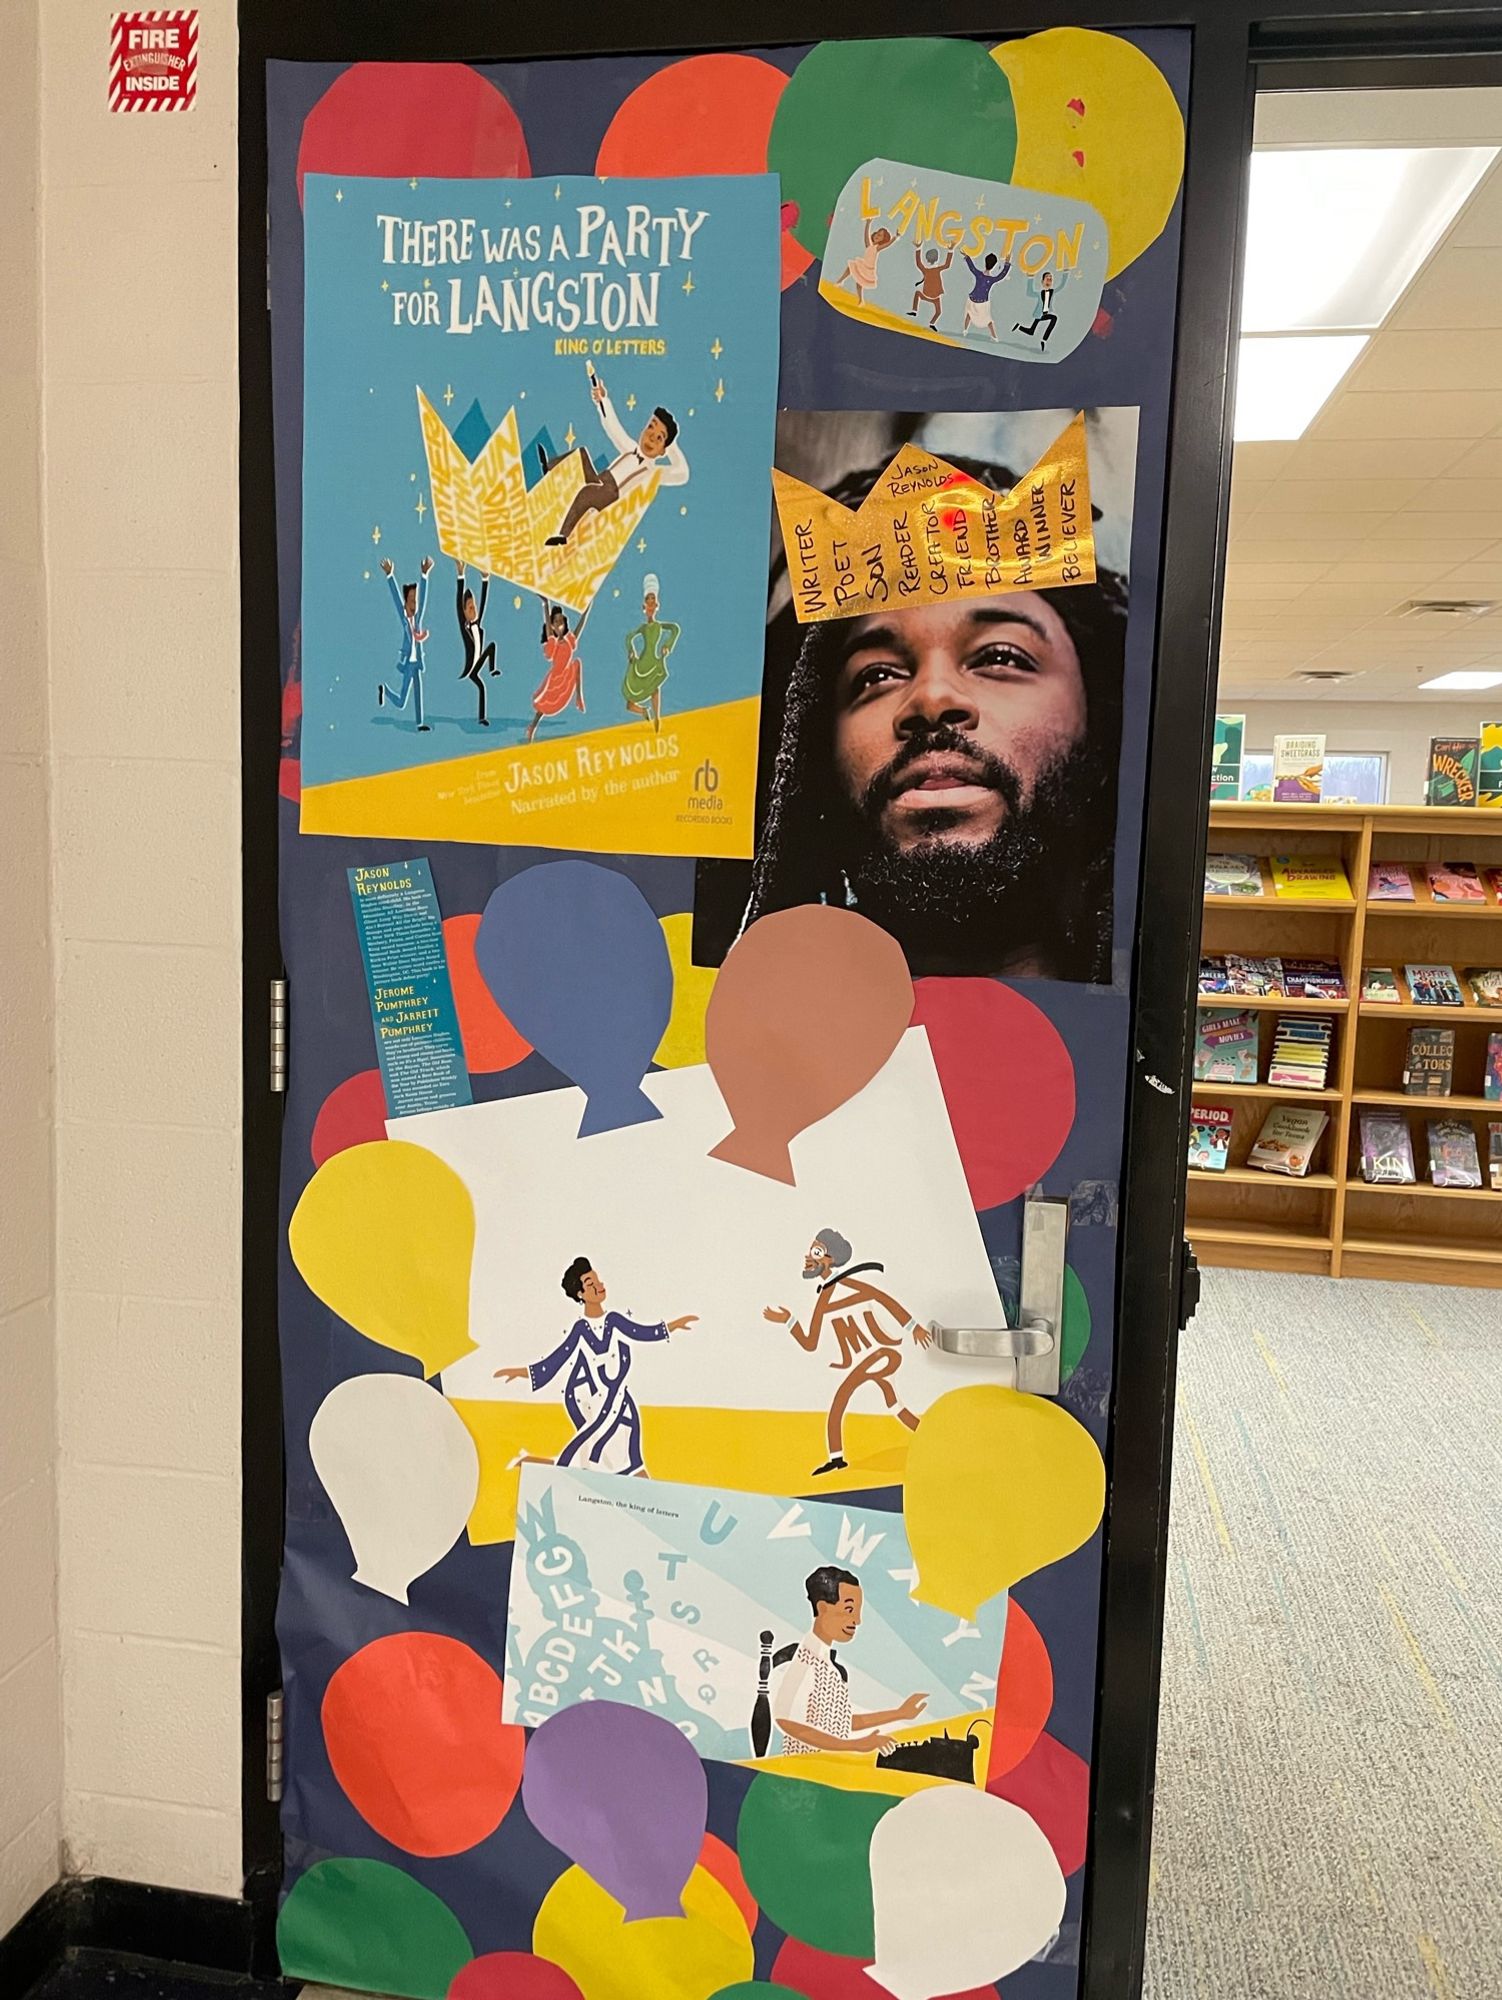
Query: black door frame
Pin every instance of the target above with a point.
(1236, 43)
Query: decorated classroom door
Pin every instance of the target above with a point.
(718, 503)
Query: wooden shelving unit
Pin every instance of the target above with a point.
(1332, 1223)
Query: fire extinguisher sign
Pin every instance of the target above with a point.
(153, 60)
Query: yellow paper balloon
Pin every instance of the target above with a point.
(683, 1039)
(999, 1484)
(691, 1957)
(1097, 120)
(384, 1235)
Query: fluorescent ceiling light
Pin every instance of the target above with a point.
(1378, 211)
(1463, 679)
(1284, 380)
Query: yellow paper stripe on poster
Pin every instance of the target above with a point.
(929, 533)
(749, 1451)
(628, 790)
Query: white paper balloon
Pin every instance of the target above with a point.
(402, 1471)
(966, 1889)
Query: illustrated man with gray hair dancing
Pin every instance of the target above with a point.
(868, 1351)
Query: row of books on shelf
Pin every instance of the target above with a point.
(1294, 877)
(1285, 1144)
(1454, 1157)
(1287, 978)
(1429, 1065)
(1448, 882)
(1432, 985)
(1226, 1049)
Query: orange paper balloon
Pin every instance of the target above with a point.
(412, 1724)
(808, 1006)
(490, 1041)
(1024, 1693)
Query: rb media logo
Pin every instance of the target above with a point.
(153, 60)
(706, 801)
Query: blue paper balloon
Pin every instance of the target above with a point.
(578, 964)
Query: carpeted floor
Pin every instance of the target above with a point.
(1329, 1813)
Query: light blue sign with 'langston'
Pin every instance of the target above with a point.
(969, 262)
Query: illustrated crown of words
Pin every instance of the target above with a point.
(929, 533)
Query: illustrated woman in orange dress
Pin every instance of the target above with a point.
(564, 680)
(860, 272)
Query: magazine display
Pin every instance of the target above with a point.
(1214, 977)
(1313, 979)
(1453, 1160)
(1430, 1062)
(1485, 983)
(1389, 882)
(1209, 1138)
(1310, 878)
(1454, 882)
(1433, 986)
(1255, 978)
(1301, 1051)
(1233, 875)
(1491, 1087)
(1225, 1047)
(1494, 1154)
(1379, 986)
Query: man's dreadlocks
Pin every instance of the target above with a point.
(801, 855)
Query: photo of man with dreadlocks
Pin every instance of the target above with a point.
(950, 770)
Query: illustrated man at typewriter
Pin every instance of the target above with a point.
(812, 1703)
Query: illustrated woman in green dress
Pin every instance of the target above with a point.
(647, 650)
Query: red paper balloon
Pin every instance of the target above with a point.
(1052, 1784)
(819, 1975)
(412, 1724)
(438, 120)
(705, 115)
(353, 1114)
(490, 1041)
(716, 1859)
(1024, 1693)
(512, 1975)
(1007, 1080)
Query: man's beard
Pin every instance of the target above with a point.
(988, 902)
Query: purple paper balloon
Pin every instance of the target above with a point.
(623, 1794)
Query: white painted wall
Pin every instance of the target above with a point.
(30, 1725)
(140, 413)
(1401, 728)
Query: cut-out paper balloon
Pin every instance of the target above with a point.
(441, 120)
(683, 1039)
(966, 1889)
(1024, 1692)
(412, 1724)
(581, 1927)
(353, 1114)
(758, 1989)
(1007, 1079)
(809, 1004)
(1052, 1786)
(490, 1041)
(805, 1851)
(820, 1975)
(704, 115)
(925, 100)
(722, 1861)
(369, 1925)
(513, 1975)
(402, 1470)
(1075, 1337)
(577, 962)
(623, 1793)
(999, 1484)
(384, 1235)
(1098, 120)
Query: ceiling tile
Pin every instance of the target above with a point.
(1418, 361)
(1458, 287)
(1259, 460)
(1372, 458)
(1480, 221)
(1481, 461)
(1462, 499)
(1435, 413)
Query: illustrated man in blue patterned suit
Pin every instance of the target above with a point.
(597, 1353)
(411, 601)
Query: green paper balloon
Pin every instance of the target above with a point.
(928, 103)
(1076, 1333)
(805, 1852)
(366, 1924)
(758, 1989)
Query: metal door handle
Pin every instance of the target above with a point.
(1033, 1343)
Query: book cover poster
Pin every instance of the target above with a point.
(1225, 757)
(1452, 771)
(537, 431)
(1298, 769)
(1489, 765)
(658, 1596)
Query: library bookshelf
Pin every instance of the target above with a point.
(1331, 1222)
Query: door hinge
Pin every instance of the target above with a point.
(277, 1052)
(274, 1746)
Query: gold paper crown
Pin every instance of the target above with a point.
(928, 533)
(487, 515)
